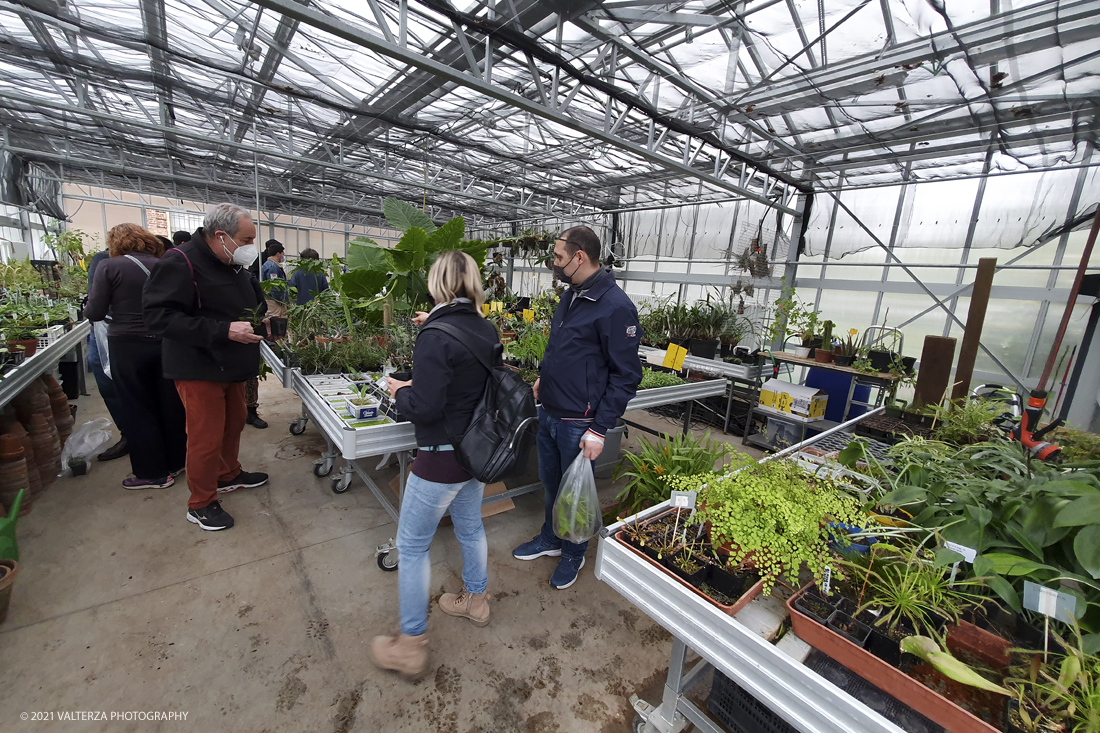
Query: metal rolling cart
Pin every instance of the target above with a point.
(43, 361)
(355, 444)
(737, 646)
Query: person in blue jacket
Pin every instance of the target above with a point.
(589, 373)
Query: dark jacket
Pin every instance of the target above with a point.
(116, 289)
(195, 325)
(591, 368)
(447, 380)
(308, 285)
(93, 347)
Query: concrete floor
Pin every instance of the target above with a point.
(122, 605)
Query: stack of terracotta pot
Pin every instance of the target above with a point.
(31, 430)
(59, 403)
(13, 472)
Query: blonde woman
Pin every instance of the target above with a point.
(447, 384)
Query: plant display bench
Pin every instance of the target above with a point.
(281, 371)
(44, 360)
(735, 645)
(750, 376)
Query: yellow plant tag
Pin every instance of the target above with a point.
(497, 306)
(528, 315)
(485, 309)
(674, 357)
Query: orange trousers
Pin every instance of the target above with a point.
(216, 415)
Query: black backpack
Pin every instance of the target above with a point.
(498, 439)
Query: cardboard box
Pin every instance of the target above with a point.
(795, 399)
(497, 507)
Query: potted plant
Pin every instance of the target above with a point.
(848, 348)
(22, 337)
(706, 325)
(772, 514)
(659, 461)
(824, 353)
(361, 405)
(680, 324)
(402, 342)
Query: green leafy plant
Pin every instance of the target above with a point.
(851, 344)
(656, 463)
(529, 348)
(967, 421)
(773, 514)
(946, 664)
(652, 379)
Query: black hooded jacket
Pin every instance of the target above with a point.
(192, 314)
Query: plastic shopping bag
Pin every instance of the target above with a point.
(86, 442)
(577, 515)
(99, 333)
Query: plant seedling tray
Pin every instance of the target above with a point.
(892, 680)
(745, 599)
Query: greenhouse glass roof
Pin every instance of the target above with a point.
(519, 109)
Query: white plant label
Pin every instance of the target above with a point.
(826, 579)
(1048, 601)
(968, 553)
(683, 499)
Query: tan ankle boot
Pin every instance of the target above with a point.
(406, 655)
(474, 606)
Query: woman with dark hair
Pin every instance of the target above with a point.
(165, 242)
(153, 413)
(308, 283)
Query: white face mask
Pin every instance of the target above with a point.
(244, 255)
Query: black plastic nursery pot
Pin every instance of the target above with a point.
(402, 376)
(260, 330)
(703, 348)
(278, 327)
(843, 360)
(908, 363)
(880, 360)
(848, 627)
(725, 350)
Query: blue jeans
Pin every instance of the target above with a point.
(422, 506)
(108, 392)
(558, 443)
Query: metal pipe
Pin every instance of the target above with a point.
(1072, 301)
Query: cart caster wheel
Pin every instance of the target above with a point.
(297, 427)
(388, 561)
(320, 470)
(340, 484)
(639, 724)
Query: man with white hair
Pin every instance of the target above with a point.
(198, 299)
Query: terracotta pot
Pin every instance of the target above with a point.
(32, 401)
(893, 681)
(47, 449)
(13, 471)
(34, 481)
(29, 347)
(9, 571)
(821, 356)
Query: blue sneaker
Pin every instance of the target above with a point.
(534, 549)
(569, 567)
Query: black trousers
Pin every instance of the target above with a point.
(156, 429)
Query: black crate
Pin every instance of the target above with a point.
(740, 712)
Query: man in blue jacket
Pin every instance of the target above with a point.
(590, 371)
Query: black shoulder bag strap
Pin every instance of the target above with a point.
(460, 336)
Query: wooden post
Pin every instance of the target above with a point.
(975, 320)
(934, 375)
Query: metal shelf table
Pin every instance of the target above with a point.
(737, 646)
(42, 361)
